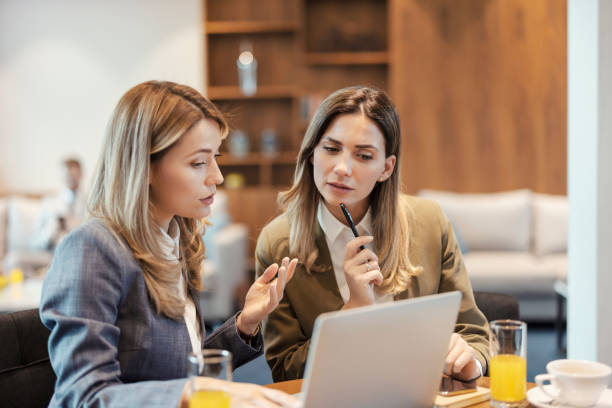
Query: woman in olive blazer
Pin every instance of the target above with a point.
(350, 154)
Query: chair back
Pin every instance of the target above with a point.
(496, 306)
(26, 376)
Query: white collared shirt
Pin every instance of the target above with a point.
(337, 235)
(171, 244)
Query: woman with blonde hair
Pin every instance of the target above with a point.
(407, 248)
(121, 296)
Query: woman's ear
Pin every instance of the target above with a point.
(389, 167)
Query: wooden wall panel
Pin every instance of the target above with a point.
(480, 86)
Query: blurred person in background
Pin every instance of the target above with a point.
(63, 211)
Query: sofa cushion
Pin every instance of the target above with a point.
(22, 219)
(491, 221)
(516, 273)
(28, 259)
(26, 376)
(550, 219)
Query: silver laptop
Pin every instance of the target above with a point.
(386, 355)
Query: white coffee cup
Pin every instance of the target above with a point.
(579, 383)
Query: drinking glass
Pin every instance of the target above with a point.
(212, 363)
(508, 364)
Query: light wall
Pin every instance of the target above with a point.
(589, 333)
(64, 64)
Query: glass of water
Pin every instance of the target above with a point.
(213, 363)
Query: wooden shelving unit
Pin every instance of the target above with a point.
(413, 49)
(250, 27)
(264, 92)
(258, 159)
(347, 58)
(304, 50)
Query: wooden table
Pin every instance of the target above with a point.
(295, 386)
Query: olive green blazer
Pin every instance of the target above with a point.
(433, 245)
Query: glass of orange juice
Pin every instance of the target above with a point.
(508, 364)
(213, 363)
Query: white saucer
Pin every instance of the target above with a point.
(541, 400)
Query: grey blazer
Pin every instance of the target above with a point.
(108, 346)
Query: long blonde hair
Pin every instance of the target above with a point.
(389, 221)
(148, 120)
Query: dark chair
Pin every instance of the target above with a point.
(26, 377)
(497, 306)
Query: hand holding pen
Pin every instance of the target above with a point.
(350, 221)
(360, 267)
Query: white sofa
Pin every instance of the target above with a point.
(513, 242)
(18, 218)
(224, 267)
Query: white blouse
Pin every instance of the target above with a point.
(171, 245)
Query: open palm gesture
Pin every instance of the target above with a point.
(265, 294)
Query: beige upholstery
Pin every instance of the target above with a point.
(515, 243)
(488, 222)
(550, 216)
(18, 219)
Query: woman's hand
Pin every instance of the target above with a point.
(243, 395)
(460, 361)
(362, 272)
(264, 294)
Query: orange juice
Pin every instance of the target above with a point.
(209, 399)
(508, 377)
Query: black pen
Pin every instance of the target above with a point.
(349, 219)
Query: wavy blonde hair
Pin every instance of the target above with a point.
(148, 120)
(389, 221)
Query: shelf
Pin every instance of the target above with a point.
(347, 58)
(253, 159)
(263, 92)
(250, 27)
